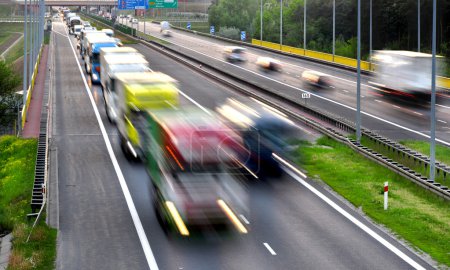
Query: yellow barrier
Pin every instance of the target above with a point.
(30, 89)
(443, 82)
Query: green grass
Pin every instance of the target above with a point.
(17, 157)
(15, 52)
(11, 27)
(415, 214)
(442, 152)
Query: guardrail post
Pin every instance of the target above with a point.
(386, 190)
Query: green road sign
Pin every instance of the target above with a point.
(163, 4)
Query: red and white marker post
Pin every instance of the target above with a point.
(386, 190)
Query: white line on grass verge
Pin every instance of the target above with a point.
(126, 192)
(358, 223)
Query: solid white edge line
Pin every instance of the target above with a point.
(126, 192)
(195, 102)
(270, 249)
(317, 96)
(363, 227)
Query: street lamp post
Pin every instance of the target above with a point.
(370, 35)
(433, 97)
(281, 24)
(25, 53)
(261, 23)
(358, 84)
(418, 25)
(334, 27)
(304, 26)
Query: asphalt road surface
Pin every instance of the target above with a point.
(106, 219)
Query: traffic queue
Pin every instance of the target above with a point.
(197, 160)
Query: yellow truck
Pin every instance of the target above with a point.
(137, 93)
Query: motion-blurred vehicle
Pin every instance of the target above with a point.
(136, 93)
(268, 63)
(187, 154)
(108, 32)
(111, 65)
(67, 18)
(83, 41)
(317, 79)
(403, 74)
(166, 33)
(164, 25)
(86, 24)
(77, 30)
(56, 16)
(266, 135)
(75, 20)
(134, 21)
(234, 54)
(92, 54)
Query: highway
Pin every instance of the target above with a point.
(107, 221)
(388, 117)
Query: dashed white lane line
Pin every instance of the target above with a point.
(442, 121)
(314, 94)
(377, 100)
(418, 113)
(395, 106)
(244, 219)
(270, 249)
(355, 221)
(439, 105)
(151, 261)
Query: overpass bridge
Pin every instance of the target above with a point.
(76, 2)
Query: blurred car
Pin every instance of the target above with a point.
(164, 25)
(268, 63)
(56, 16)
(134, 21)
(86, 24)
(317, 79)
(166, 33)
(77, 30)
(234, 53)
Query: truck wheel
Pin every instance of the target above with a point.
(108, 114)
(125, 150)
(159, 212)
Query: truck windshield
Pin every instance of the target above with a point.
(95, 58)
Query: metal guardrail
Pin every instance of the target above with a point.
(339, 123)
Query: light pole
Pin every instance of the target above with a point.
(433, 96)
(281, 24)
(370, 36)
(418, 25)
(334, 27)
(304, 26)
(25, 54)
(358, 84)
(261, 23)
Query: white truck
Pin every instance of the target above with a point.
(403, 74)
(111, 65)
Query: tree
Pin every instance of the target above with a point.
(9, 81)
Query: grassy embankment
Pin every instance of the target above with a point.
(17, 157)
(415, 214)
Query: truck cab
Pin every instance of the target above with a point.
(92, 54)
(75, 20)
(136, 93)
(112, 64)
(188, 153)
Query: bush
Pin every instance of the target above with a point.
(229, 32)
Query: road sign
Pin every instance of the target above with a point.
(243, 35)
(188, 26)
(132, 4)
(211, 30)
(163, 3)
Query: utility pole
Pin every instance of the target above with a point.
(261, 23)
(358, 84)
(281, 24)
(334, 27)
(25, 55)
(418, 25)
(304, 26)
(370, 36)
(433, 97)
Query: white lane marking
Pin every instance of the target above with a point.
(317, 96)
(447, 107)
(288, 165)
(418, 113)
(270, 249)
(395, 106)
(56, 32)
(244, 219)
(378, 100)
(123, 184)
(442, 121)
(363, 227)
(345, 91)
(195, 102)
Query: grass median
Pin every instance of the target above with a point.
(17, 157)
(416, 215)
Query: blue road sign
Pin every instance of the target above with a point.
(211, 30)
(132, 4)
(188, 26)
(243, 35)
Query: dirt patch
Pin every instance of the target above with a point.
(9, 42)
